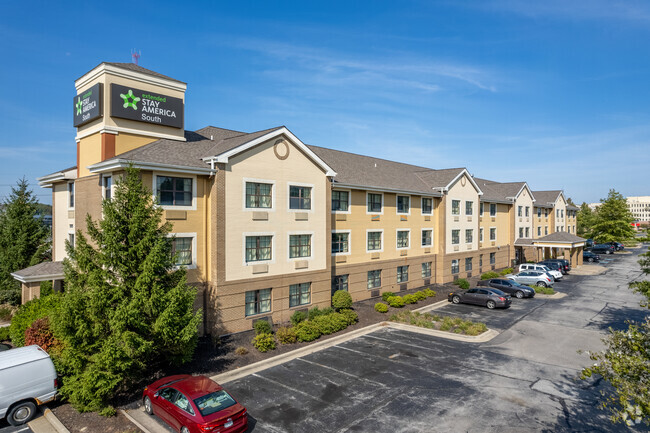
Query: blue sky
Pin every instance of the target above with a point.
(555, 93)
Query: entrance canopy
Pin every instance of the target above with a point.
(549, 246)
(32, 277)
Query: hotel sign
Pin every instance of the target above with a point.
(144, 106)
(88, 105)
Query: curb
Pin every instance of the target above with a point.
(136, 423)
(54, 421)
(556, 295)
(482, 338)
(431, 307)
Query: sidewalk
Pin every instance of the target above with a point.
(48, 423)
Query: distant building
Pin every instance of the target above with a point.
(640, 207)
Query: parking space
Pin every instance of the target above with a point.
(6, 428)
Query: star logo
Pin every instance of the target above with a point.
(78, 106)
(130, 100)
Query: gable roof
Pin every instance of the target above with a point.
(501, 192)
(41, 272)
(137, 68)
(546, 198)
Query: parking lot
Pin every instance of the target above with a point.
(523, 380)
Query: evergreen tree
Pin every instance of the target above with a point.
(125, 308)
(586, 219)
(23, 239)
(613, 220)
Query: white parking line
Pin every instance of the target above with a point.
(275, 382)
(343, 372)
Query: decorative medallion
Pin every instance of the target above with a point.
(281, 149)
(463, 181)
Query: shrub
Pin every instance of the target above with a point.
(430, 293)
(264, 342)
(341, 300)
(307, 331)
(386, 295)
(462, 283)
(395, 301)
(410, 299)
(6, 312)
(241, 351)
(506, 271)
(315, 312)
(325, 324)
(544, 290)
(420, 295)
(262, 327)
(489, 275)
(28, 313)
(41, 334)
(381, 307)
(339, 321)
(286, 335)
(4, 333)
(298, 317)
(351, 316)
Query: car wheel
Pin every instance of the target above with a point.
(609, 251)
(456, 299)
(542, 284)
(519, 294)
(491, 304)
(184, 430)
(590, 259)
(147, 406)
(21, 413)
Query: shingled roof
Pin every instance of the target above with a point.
(498, 191)
(546, 198)
(41, 272)
(137, 68)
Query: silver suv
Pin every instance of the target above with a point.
(533, 278)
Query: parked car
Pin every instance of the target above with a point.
(194, 404)
(510, 287)
(557, 275)
(617, 245)
(4, 347)
(27, 378)
(589, 256)
(534, 278)
(491, 298)
(565, 262)
(603, 249)
(556, 266)
(589, 243)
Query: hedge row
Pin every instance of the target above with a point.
(399, 301)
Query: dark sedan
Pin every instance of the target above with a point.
(194, 404)
(588, 256)
(603, 249)
(510, 287)
(617, 245)
(491, 298)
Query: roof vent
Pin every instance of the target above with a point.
(375, 165)
(212, 138)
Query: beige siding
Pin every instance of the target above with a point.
(464, 191)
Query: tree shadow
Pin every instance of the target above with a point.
(616, 317)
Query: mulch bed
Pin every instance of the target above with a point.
(91, 422)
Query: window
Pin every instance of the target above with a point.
(562, 213)
(258, 248)
(493, 258)
(539, 212)
(519, 209)
(426, 270)
(527, 232)
(403, 238)
(427, 205)
(480, 234)
(340, 243)
(258, 195)
(340, 282)
(557, 213)
(299, 246)
(340, 201)
(299, 294)
(403, 204)
(182, 251)
(480, 209)
(174, 191)
(374, 279)
(71, 239)
(468, 264)
(539, 231)
(402, 274)
(545, 230)
(183, 403)
(545, 213)
(455, 266)
(299, 197)
(374, 241)
(455, 237)
(469, 236)
(493, 233)
(521, 232)
(455, 207)
(374, 202)
(469, 207)
(427, 238)
(108, 187)
(480, 260)
(258, 301)
(493, 209)
(527, 211)
(71, 195)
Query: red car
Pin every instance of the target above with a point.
(194, 404)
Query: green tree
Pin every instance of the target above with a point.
(586, 219)
(23, 239)
(625, 364)
(613, 220)
(125, 307)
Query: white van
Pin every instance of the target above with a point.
(557, 275)
(27, 379)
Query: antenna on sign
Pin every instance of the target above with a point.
(135, 55)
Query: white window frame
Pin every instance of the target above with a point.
(481, 205)
(496, 210)
(496, 235)
(194, 255)
(451, 236)
(421, 207)
(104, 177)
(349, 232)
(410, 204)
(423, 230)
(311, 245)
(480, 234)
(74, 195)
(409, 239)
(451, 207)
(457, 261)
(380, 250)
(257, 209)
(471, 207)
(305, 185)
(383, 203)
(349, 211)
(469, 243)
(154, 188)
(259, 262)
(74, 236)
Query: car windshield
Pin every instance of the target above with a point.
(497, 292)
(214, 402)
